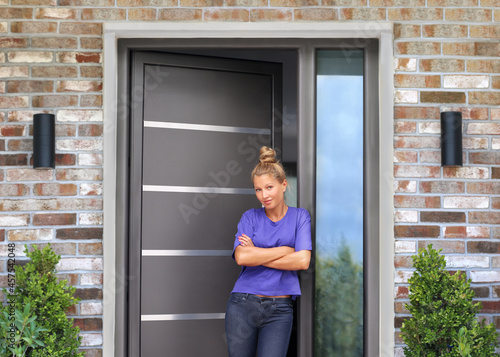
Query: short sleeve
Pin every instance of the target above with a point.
(303, 235)
(245, 226)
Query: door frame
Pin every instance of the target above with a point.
(244, 35)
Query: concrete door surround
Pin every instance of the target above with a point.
(383, 31)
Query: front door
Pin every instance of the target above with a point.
(197, 124)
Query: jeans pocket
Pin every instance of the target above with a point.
(235, 298)
(285, 308)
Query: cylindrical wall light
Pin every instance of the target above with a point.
(451, 139)
(44, 141)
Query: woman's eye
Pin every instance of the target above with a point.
(269, 187)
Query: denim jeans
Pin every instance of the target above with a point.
(258, 326)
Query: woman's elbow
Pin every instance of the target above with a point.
(305, 261)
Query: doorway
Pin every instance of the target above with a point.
(305, 125)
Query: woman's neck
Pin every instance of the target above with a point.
(277, 213)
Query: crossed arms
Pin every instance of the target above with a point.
(282, 258)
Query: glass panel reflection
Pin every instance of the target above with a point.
(339, 204)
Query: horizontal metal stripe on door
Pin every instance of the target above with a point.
(184, 253)
(179, 317)
(204, 127)
(192, 189)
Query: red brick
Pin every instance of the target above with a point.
(65, 159)
(54, 42)
(490, 307)
(316, 14)
(91, 43)
(80, 28)
(13, 190)
(444, 217)
(2, 235)
(403, 261)
(12, 130)
(55, 101)
(485, 98)
(420, 231)
(445, 187)
(91, 72)
(402, 292)
(13, 159)
(495, 173)
(143, 3)
(417, 81)
(14, 71)
(405, 64)
(180, 14)
(416, 113)
(88, 324)
(405, 186)
(495, 202)
(418, 48)
(407, 171)
(451, 31)
(79, 233)
(11, 42)
(90, 249)
(488, 158)
(30, 86)
(33, 27)
(483, 31)
(481, 291)
(442, 65)
(54, 71)
(483, 66)
(271, 15)
(54, 189)
(469, 15)
(30, 57)
(495, 82)
(54, 219)
(416, 142)
(415, 14)
(455, 232)
(79, 57)
(88, 293)
(14, 102)
(405, 156)
(90, 130)
(484, 217)
(442, 97)
(15, 13)
(453, 3)
(344, 3)
(401, 201)
(446, 246)
(407, 30)
(79, 174)
(466, 172)
(142, 14)
(483, 187)
(104, 14)
(91, 101)
(366, 14)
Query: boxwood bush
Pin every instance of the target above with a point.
(443, 321)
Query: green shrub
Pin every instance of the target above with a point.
(19, 332)
(37, 285)
(441, 305)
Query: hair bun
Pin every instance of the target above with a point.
(267, 155)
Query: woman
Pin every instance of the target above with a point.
(271, 244)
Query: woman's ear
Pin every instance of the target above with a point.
(285, 184)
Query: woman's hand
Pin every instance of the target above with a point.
(245, 241)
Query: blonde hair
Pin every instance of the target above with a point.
(269, 165)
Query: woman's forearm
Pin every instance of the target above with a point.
(255, 256)
(294, 261)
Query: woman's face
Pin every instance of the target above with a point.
(269, 191)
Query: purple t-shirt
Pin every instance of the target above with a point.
(293, 230)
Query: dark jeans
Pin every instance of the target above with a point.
(258, 325)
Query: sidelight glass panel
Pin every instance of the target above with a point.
(339, 204)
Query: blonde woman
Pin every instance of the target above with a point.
(271, 245)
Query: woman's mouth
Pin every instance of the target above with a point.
(267, 202)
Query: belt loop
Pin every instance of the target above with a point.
(246, 296)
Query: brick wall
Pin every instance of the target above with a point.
(446, 56)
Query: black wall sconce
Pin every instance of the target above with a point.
(451, 138)
(44, 141)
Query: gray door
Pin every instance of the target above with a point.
(197, 125)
